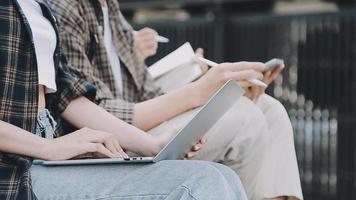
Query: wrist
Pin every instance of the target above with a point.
(156, 145)
(43, 150)
(193, 95)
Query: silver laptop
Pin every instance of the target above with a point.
(178, 146)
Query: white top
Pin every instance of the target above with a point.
(44, 38)
(110, 48)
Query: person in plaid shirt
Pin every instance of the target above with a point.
(37, 89)
(254, 139)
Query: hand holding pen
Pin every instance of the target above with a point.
(147, 41)
(213, 64)
(240, 72)
(158, 38)
(271, 70)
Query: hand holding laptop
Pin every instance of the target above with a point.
(165, 138)
(182, 142)
(196, 148)
(87, 144)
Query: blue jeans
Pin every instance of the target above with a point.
(45, 124)
(164, 180)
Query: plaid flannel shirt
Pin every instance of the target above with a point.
(19, 92)
(82, 33)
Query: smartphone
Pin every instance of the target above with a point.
(275, 62)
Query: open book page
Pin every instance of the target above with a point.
(176, 69)
(179, 76)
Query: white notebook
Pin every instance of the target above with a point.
(176, 69)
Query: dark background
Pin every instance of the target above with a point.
(318, 86)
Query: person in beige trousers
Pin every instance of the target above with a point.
(254, 137)
(256, 141)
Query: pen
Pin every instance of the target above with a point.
(213, 64)
(159, 38)
(162, 39)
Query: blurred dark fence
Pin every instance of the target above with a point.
(318, 86)
(318, 90)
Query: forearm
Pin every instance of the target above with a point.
(18, 141)
(151, 113)
(83, 113)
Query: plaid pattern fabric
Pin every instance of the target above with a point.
(81, 31)
(19, 92)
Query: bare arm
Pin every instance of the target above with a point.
(151, 113)
(83, 113)
(18, 141)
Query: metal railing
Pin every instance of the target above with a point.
(318, 86)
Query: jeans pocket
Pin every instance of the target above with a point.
(40, 128)
(51, 120)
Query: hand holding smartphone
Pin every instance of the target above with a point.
(272, 64)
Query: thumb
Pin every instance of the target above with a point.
(199, 52)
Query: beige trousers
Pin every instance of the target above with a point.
(256, 141)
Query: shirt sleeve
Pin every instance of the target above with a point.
(149, 89)
(69, 87)
(119, 108)
(74, 35)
